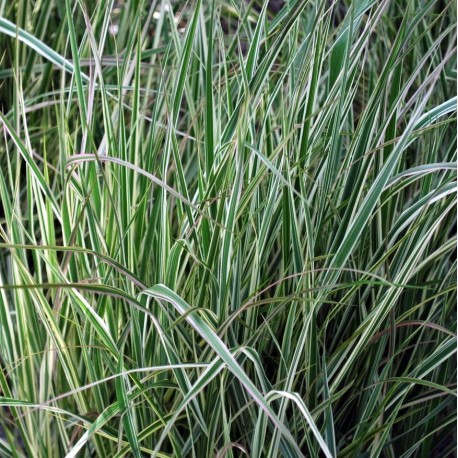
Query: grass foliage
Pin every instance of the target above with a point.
(227, 231)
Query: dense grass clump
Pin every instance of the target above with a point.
(228, 228)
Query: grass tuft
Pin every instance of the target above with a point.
(228, 228)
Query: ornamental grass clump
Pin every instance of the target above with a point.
(228, 228)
